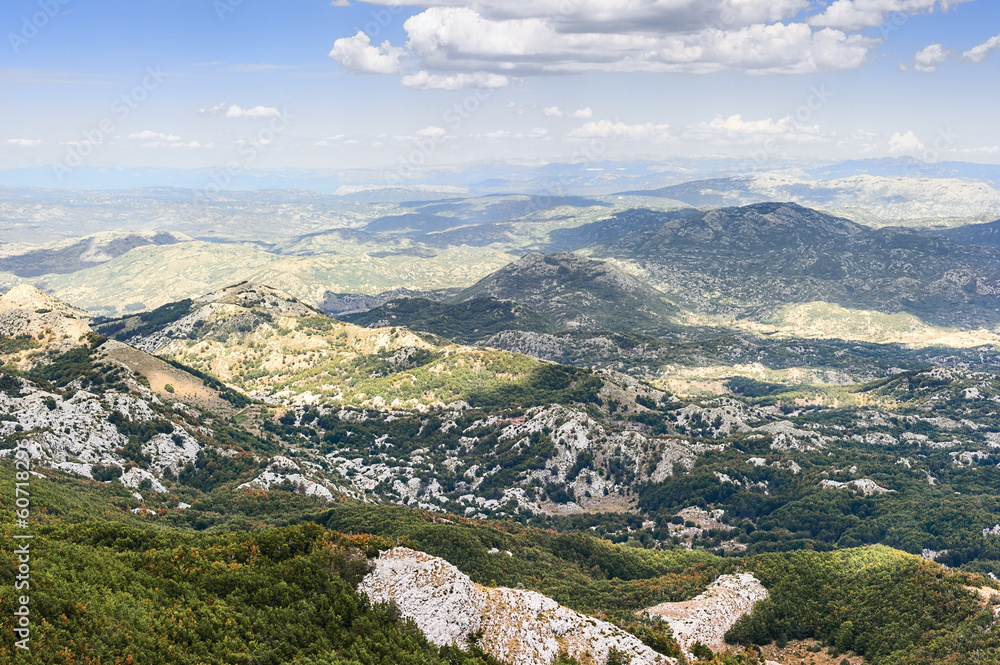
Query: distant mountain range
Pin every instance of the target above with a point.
(914, 198)
(987, 235)
(746, 261)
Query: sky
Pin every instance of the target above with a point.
(259, 84)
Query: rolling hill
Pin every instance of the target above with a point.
(69, 256)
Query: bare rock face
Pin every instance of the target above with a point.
(518, 627)
(862, 486)
(707, 617)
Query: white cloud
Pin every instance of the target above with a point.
(427, 81)
(905, 144)
(150, 135)
(458, 44)
(860, 139)
(329, 140)
(432, 132)
(984, 150)
(24, 143)
(602, 16)
(536, 133)
(461, 39)
(606, 129)
(860, 14)
(929, 58)
(218, 109)
(735, 129)
(340, 3)
(979, 52)
(556, 112)
(358, 55)
(176, 144)
(257, 112)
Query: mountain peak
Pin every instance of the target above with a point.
(577, 292)
(251, 294)
(31, 298)
(28, 312)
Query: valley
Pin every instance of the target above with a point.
(653, 401)
(437, 332)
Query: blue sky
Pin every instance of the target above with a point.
(265, 85)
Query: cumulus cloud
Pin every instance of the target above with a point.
(153, 139)
(329, 140)
(536, 133)
(905, 144)
(735, 129)
(357, 54)
(979, 52)
(929, 58)
(432, 132)
(459, 38)
(427, 81)
(217, 109)
(606, 129)
(24, 143)
(257, 112)
(601, 16)
(860, 14)
(556, 112)
(150, 135)
(456, 44)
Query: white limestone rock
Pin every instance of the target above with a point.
(863, 486)
(707, 617)
(518, 627)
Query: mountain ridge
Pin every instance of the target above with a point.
(749, 260)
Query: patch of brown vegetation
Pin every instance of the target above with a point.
(187, 388)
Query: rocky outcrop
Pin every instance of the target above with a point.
(707, 617)
(27, 311)
(863, 486)
(518, 627)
